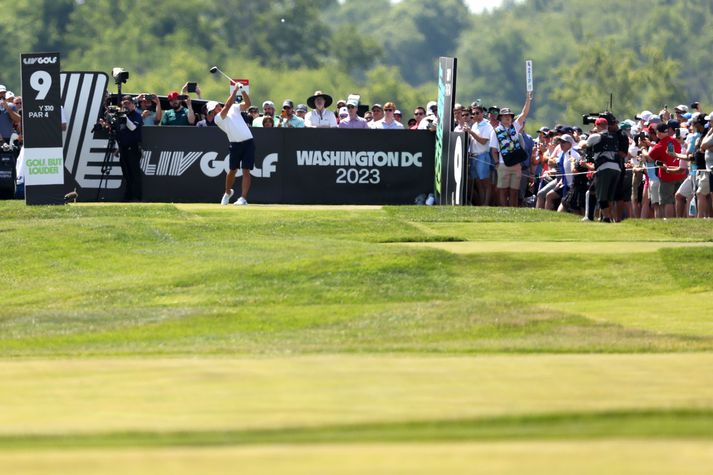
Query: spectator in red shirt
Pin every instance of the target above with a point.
(669, 171)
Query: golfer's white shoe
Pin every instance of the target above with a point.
(241, 201)
(226, 198)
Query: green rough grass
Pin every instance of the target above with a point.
(164, 279)
(190, 338)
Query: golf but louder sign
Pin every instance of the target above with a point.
(42, 129)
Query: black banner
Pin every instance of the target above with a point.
(42, 129)
(444, 181)
(292, 166)
(298, 166)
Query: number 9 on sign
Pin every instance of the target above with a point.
(41, 81)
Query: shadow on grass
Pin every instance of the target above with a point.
(639, 424)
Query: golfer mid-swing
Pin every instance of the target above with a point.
(242, 146)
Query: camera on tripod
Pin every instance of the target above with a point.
(114, 116)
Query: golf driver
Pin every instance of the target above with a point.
(216, 69)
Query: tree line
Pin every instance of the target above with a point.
(646, 53)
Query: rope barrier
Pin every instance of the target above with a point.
(560, 175)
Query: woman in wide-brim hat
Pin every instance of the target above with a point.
(319, 116)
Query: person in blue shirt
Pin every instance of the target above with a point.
(288, 118)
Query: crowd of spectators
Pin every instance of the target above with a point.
(315, 112)
(649, 166)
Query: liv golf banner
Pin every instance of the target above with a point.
(42, 129)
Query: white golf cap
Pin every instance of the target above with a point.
(212, 105)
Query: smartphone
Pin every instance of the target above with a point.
(192, 86)
(183, 97)
(150, 97)
(658, 163)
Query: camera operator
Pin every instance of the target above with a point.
(127, 127)
(602, 149)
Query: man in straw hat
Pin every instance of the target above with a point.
(320, 117)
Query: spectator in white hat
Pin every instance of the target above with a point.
(353, 121)
(268, 109)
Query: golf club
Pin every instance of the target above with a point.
(216, 69)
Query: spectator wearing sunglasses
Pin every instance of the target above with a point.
(481, 164)
(419, 113)
(389, 121)
(353, 121)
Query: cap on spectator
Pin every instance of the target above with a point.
(683, 132)
(662, 127)
(212, 105)
(172, 96)
(627, 124)
(10, 95)
(343, 112)
(543, 130)
(377, 106)
(601, 121)
(301, 108)
(709, 116)
(341, 103)
(252, 109)
(493, 110)
(2, 88)
(431, 106)
(568, 129)
(268, 104)
(673, 124)
(654, 119)
(698, 118)
(353, 102)
(644, 115)
(687, 115)
(397, 112)
(681, 109)
(567, 138)
(288, 103)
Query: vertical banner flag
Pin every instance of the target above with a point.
(528, 75)
(444, 181)
(42, 129)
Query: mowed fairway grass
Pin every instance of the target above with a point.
(158, 338)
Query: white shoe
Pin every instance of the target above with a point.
(241, 202)
(226, 198)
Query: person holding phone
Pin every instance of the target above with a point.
(191, 87)
(178, 114)
(150, 109)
